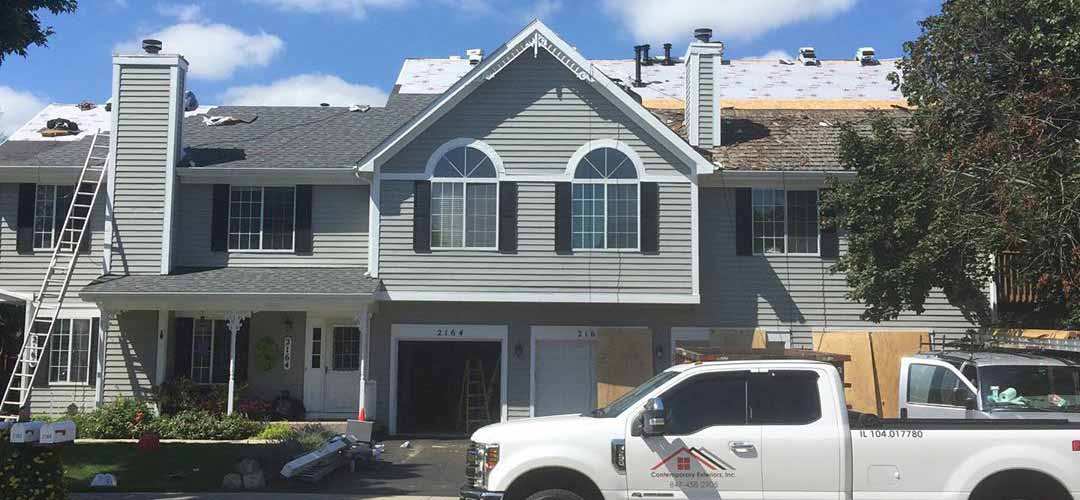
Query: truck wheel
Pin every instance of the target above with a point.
(555, 494)
(1020, 485)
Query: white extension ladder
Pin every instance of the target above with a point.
(50, 297)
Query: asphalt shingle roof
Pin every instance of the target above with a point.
(44, 153)
(241, 281)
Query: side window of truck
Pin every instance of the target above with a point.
(708, 400)
(785, 397)
(935, 385)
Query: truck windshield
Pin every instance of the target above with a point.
(620, 405)
(1026, 388)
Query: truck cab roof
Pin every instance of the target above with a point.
(998, 358)
(749, 363)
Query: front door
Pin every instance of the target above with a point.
(341, 388)
(709, 450)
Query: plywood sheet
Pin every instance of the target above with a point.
(623, 361)
(861, 391)
(888, 348)
(736, 340)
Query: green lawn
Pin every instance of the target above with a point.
(174, 467)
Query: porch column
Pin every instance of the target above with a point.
(362, 321)
(234, 320)
(103, 344)
(162, 346)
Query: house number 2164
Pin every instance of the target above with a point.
(449, 332)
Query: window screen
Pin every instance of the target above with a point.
(705, 401)
(785, 398)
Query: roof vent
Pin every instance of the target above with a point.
(646, 60)
(703, 34)
(475, 55)
(455, 58)
(807, 57)
(324, 104)
(865, 55)
(151, 46)
(667, 61)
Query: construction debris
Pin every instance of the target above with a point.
(86, 106)
(361, 108)
(57, 127)
(217, 121)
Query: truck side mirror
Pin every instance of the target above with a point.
(965, 398)
(654, 418)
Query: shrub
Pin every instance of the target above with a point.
(29, 472)
(256, 409)
(183, 394)
(276, 432)
(311, 436)
(198, 424)
(120, 419)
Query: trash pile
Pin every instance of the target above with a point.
(59, 127)
(354, 448)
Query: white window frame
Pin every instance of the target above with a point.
(262, 217)
(496, 164)
(333, 351)
(787, 233)
(191, 364)
(70, 353)
(53, 237)
(639, 175)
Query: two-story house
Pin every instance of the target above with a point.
(527, 233)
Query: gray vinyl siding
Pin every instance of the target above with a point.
(141, 151)
(704, 100)
(130, 360)
(339, 223)
(23, 273)
(535, 267)
(535, 114)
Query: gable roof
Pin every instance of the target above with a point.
(534, 37)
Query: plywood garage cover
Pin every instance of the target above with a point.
(623, 361)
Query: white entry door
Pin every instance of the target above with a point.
(564, 370)
(341, 389)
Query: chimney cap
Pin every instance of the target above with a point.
(703, 34)
(151, 46)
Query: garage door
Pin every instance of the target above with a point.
(565, 372)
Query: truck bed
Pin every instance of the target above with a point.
(864, 421)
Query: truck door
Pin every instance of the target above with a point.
(709, 449)
(934, 389)
(801, 435)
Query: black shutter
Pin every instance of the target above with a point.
(830, 238)
(86, 241)
(182, 348)
(219, 224)
(64, 195)
(422, 216)
(222, 346)
(303, 219)
(24, 243)
(91, 378)
(744, 222)
(563, 217)
(508, 228)
(242, 343)
(650, 217)
(41, 379)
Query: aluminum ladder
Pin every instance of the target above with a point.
(474, 412)
(49, 300)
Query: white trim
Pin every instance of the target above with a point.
(266, 176)
(540, 333)
(787, 236)
(541, 178)
(262, 226)
(535, 36)
(70, 352)
(695, 238)
(590, 146)
(556, 297)
(465, 213)
(25, 297)
(429, 333)
(150, 60)
(496, 160)
(374, 221)
(171, 157)
(110, 186)
(693, 91)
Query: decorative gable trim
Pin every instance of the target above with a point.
(536, 42)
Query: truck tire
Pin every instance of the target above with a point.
(555, 494)
(1020, 486)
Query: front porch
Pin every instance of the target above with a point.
(257, 333)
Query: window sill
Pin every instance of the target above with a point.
(68, 384)
(787, 255)
(605, 250)
(273, 251)
(466, 249)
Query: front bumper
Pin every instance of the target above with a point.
(470, 493)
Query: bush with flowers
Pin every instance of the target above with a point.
(30, 472)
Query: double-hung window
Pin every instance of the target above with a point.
(262, 218)
(50, 207)
(210, 343)
(605, 201)
(785, 221)
(69, 351)
(464, 200)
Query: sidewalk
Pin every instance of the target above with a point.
(240, 495)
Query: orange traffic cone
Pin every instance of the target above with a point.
(363, 415)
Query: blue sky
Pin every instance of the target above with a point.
(301, 51)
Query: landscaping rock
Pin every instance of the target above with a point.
(254, 481)
(232, 482)
(248, 466)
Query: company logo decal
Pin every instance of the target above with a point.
(684, 457)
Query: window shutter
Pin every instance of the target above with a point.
(91, 378)
(830, 238)
(422, 216)
(508, 216)
(41, 379)
(182, 348)
(24, 243)
(242, 342)
(304, 239)
(563, 217)
(744, 221)
(64, 196)
(650, 217)
(222, 345)
(87, 236)
(219, 224)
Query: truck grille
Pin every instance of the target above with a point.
(474, 464)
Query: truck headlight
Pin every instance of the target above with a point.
(491, 456)
(482, 458)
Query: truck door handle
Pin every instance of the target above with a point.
(741, 447)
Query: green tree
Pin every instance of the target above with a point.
(987, 163)
(21, 27)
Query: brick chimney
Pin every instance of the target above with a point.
(703, 62)
(147, 116)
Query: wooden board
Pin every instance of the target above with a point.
(888, 348)
(737, 340)
(861, 391)
(623, 361)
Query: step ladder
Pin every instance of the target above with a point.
(475, 406)
(49, 300)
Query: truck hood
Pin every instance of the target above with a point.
(527, 429)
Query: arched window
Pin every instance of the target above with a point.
(464, 200)
(605, 201)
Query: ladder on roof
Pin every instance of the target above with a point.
(50, 297)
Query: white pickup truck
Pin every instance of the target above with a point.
(765, 430)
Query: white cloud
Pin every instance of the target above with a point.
(775, 54)
(354, 8)
(304, 90)
(660, 20)
(184, 12)
(17, 108)
(215, 51)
